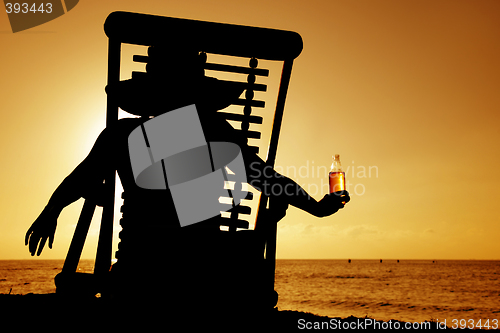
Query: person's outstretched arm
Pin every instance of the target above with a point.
(272, 184)
(87, 177)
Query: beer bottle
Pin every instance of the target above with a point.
(336, 175)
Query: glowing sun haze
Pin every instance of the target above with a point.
(405, 91)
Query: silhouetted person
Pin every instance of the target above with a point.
(151, 231)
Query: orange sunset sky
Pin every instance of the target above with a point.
(407, 92)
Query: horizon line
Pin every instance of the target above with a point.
(352, 259)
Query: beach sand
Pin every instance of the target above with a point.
(36, 311)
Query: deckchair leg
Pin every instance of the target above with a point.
(271, 251)
(105, 243)
(271, 228)
(68, 281)
(81, 231)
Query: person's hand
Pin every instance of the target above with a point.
(42, 229)
(331, 203)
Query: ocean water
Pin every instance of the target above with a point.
(33, 276)
(410, 290)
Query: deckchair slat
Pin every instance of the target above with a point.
(254, 103)
(237, 69)
(250, 134)
(242, 117)
(258, 87)
(217, 67)
(242, 224)
(245, 85)
(253, 86)
(242, 209)
(138, 75)
(140, 58)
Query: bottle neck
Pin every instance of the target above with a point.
(336, 166)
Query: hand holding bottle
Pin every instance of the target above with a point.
(331, 203)
(338, 196)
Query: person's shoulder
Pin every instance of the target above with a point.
(126, 124)
(130, 121)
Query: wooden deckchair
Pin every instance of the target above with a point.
(213, 39)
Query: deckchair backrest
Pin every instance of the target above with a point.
(219, 41)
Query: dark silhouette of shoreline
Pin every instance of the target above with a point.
(55, 310)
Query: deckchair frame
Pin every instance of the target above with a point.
(216, 38)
